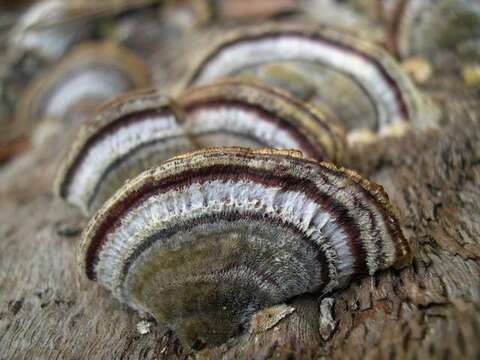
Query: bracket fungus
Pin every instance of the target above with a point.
(33, 33)
(269, 116)
(436, 30)
(208, 238)
(358, 80)
(138, 131)
(50, 27)
(88, 76)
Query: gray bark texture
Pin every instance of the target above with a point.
(429, 310)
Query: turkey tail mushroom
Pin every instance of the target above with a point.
(90, 75)
(138, 131)
(50, 27)
(208, 238)
(443, 32)
(360, 81)
(269, 116)
(34, 34)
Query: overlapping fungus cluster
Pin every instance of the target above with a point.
(227, 195)
(200, 221)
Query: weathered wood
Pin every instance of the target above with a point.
(428, 310)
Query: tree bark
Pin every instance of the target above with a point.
(430, 309)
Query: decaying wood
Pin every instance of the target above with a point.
(428, 310)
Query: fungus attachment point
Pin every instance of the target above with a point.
(208, 238)
(138, 131)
